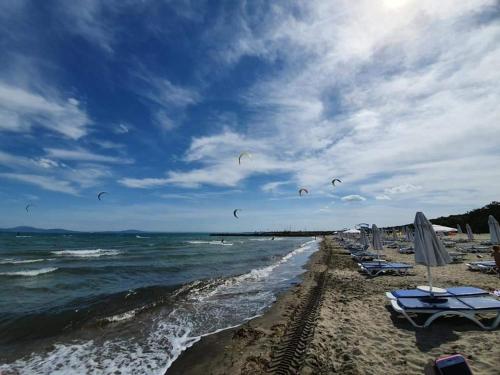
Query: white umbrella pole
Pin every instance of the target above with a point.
(429, 277)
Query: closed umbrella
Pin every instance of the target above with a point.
(470, 235)
(405, 231)
(494, 230)
(364, 239)
(459, 229)
(376, 239)
(411, 237)
(429, 251)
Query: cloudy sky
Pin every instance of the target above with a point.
(153, 101)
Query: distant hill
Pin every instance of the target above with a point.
(477, 219)
(24, 229)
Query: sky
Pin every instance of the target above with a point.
(153, 102)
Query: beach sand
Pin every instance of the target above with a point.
(351, 328)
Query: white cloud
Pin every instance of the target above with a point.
(364, 92)
(143, 183)
(45, 182)
(87, 19)
(167, 100)
(401, 189)
(163, 121)
(122, 129)
(353, 198)
(273, 186)
(47, 163)
(21, 110)
(383, 198)
(81, 154)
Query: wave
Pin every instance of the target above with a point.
(87, 253)
(30, 273)
(141, 236)
(267, 239)
(22, 261)
(220, 243)
(203, 289)
(23, 236)
(185, 316)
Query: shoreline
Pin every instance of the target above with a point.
(219, 353)
(351, 331)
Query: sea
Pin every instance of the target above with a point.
(131, 303)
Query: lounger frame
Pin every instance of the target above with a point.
(435, 314)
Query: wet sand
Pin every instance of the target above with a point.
(354, 330)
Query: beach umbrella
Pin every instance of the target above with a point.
(376, 240)
(409, 235)
(364, 239)
(459, 229)
(494, 230)
(411, 238)
(470, 235)
(429, 251)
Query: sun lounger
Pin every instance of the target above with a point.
(365, 256)
(406, 250)
(449, 243)
(487, 266)
(459, 291)
(465, 306)
(378, 268)
(457, 257)
(475, 249)
(391, 245)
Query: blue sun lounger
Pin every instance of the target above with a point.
(377, 268)
(467, 302)
(488, 266)
(459, 291)
(365, 256)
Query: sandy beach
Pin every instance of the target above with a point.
(339, 321)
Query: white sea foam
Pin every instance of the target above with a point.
(141, 236)
(22, 261)
(121, 317)
(31, 273)
(267, 239)
(220, 243)
(208, 309)
(87, 253)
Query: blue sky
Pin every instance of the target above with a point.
(153, 101)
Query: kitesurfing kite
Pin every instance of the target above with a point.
(301, 190)
(235, 213)
(335, 179)
(28, 206)
(101, 194)
(247, 154)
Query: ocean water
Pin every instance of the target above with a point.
(130, 304)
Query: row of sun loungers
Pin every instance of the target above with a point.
(421, 308)
(467, 302)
